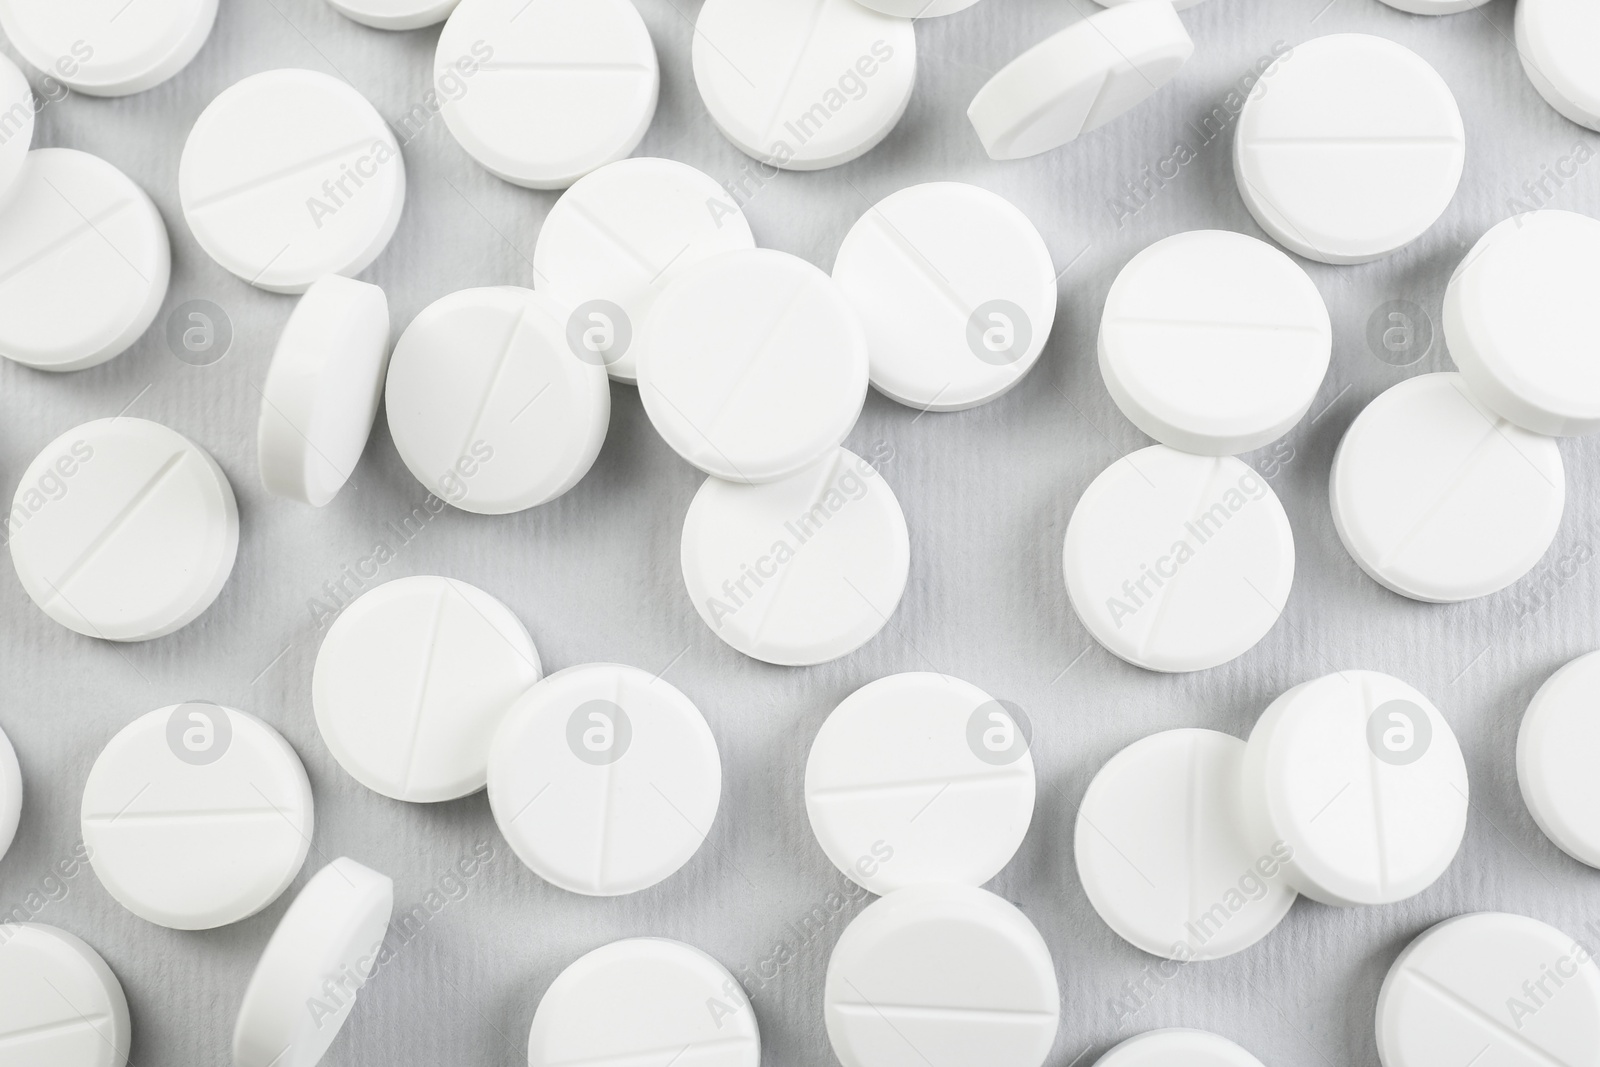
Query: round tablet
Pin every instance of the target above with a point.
(1555, 40)
(1177, 1048)
(489, 407)
(1214, 343)
(1559, 736)
(1080, 79)
(804, 84)
(17, 111)
(1177, 562)
(956, 291)
(10, 794)
(753, 365)
(326, 947)
(322, 389)
(412, 681)
(1434, 7)
(108, 47)
(1439, 499)
(1162, 855)
(197, 816)
(615, 240)
(1502, 988)
(919, 9)
(920, 778)
(941, 970)
(557, 87)
(124, 530)
(640, 1000)
(395, 14)
(59, 1002)
(1516, 318)
(75, 295)
(801, 571)
(604, 779)
(289, 175)
(1354, 152)
(1359, 779)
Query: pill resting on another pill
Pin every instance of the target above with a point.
(59, 1002)
(1555, 751)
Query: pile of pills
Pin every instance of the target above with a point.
(753, 366)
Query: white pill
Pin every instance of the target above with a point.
(412, 681)
(84, 262)
(1177, 5)
(1439, 499)
(1177, 1048)
(1177, 562)
(643, 1000)
(1518, 323)
(604, 779)
(325, 949)
(197, 816)
(489, 406)
(801, 571)
(1360, 778)
(1163, 856)
(17, 111)
(1555, 751)
(918, 9)
(395, 14)
(123, 529)
(941, 974)
(541, 92)
(1080, 79)
(803, 84)
(59, 1002)
(920, 778)
(10, 794)
(289, 175)
(1214, 343)
(1351, 150)
(1502, 989)
(108, 47)
(956, 291)
(1434, 7)
(1556, 42)
(753, 365)
(617, 238)
(322, 389)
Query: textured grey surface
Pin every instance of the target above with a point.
(987, 494)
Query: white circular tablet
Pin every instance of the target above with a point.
(488, 405)
(604, 779)
(1518, 321)
(124, 530)
(197, 816)
(615, 240)
(322, 389)
(1354, 150)
(804, 84)
(1556, 40)
(1359, 778)
(753, 365)
(920, 778)
(75, 294)
(918, 9)
(289, 175)
(1177, 1048)
(801, 571)
(10, 794)
(395, 14)
(1439, 499)
(1434, 7)
(1504, 989)
(941, 973)
(642, 1000)
(956, 291)
(326, 947)
(59, 1002)
(1555, 748)
(1214, 343)
(17, 111)
(1080, 79)
(108, 47)
(541, 92)
(412, 682)
(1163, 857)
(1177, 562)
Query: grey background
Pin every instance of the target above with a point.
(594, 575)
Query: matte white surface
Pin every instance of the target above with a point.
(1440, 500)
(920, 778)
(1556, 40)
(1177, 1048)
(17, 115)
(10, 794)
(395, 14)
(128, 530)
(197, 816)
(59, 1002)
(1555, 747)
(108, 47)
